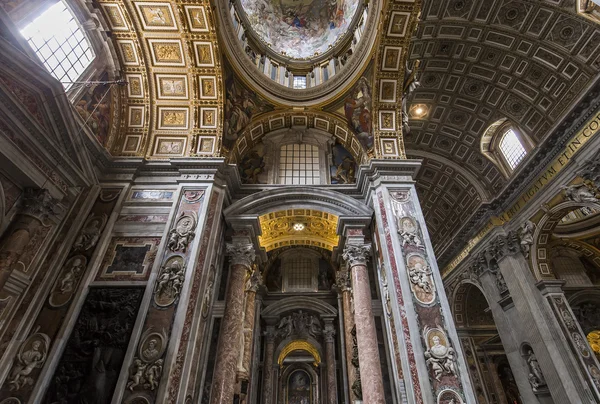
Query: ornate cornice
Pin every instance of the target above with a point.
(240, 254)
(357, 254)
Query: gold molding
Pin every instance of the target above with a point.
(299, 345)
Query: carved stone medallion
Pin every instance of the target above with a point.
(11, 400)
(408, 230)
(170, 281)
(32, 354)
(183, 233)
(146, 369)
(440, 357)
(421, 281)
(66, 284)
(448, 396)
(90, 233)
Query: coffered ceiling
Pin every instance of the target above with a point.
(481, 61)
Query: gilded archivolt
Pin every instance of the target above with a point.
(298, 227)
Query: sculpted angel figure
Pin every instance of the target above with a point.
(285, 326)
(441, 358)
(579, 193)
(153, 373)
(419, 276)
(27, 361)
(89, 235)
(136, 376)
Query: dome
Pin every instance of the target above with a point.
(300, 29)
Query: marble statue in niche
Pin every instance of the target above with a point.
(385, 291)
(536, 377)
(208, 293)
(526, 236)
(325, 277)
(31, 355)
(410, 84)
(408, 229)
(92, 360)
(90, 234)
(439, 355)
(169, 281)
(67, 281)
(183, 233)
(421, 281)
(299, 388)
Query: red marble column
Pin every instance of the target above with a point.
(37, 206)
(228, 351)
(343, 286)
(329, 334)
(251, 289)
(268, 366)
(368, 353)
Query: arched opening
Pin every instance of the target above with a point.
(505, 145)
(489, 369)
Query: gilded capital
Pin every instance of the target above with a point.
(357, 254)
(241, 254)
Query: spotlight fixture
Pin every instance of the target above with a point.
(298, 226)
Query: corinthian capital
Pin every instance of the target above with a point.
(241, 254)
(357, 254)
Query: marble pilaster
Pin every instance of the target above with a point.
(223, 386)
(329, 336)
(356, 256)
(268, 365)
(343, 286)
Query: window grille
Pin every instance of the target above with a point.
(60, 43)
(300, 274)
(299, 165)
(300, 82)
(512, 149)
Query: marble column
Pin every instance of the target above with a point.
(37, 206)
(224, 379)
(268, 365)
(251, 287)
(329, 335)
(343, 287)
(356, 256)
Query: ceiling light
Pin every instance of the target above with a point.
(419, 111)
(299, 226)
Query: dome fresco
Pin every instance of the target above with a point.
(300, 29)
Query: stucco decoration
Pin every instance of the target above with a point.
(300, 29)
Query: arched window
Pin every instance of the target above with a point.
(59, 42)
(505, 145)
(511, 148)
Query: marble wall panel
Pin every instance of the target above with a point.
(129, 258)
(50, 319)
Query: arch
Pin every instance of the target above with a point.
(269, 122)
(490, 143)
(294, 302)
(483, 192)
(299, 345)
(540, 256)
(298, 197)
(459, 299)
